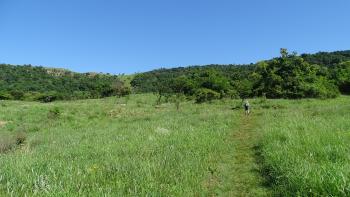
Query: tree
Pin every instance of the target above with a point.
(243, 87)
(284, 52)
(291, 77)
(341, 75)
(119, 89)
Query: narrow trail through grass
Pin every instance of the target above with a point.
(247, 180)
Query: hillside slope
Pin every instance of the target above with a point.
(288, 76)
(34, 83)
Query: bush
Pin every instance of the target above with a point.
(204, 95)
(20, 137)
(124, 91)
(81, 95)
(48, 97)
(54, 113)
(5, 96)
(17, 95)
(233, 94)
(321, 89)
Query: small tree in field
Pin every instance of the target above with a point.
(177, 99)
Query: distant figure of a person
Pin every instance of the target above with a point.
(246, 107)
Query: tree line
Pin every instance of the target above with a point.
(46, 84)
(320, 75)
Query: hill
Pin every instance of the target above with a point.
(323, 74)
(320, 75)
(46, 84)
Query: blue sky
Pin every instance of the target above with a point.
(127, 36)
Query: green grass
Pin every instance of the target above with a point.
(100, 147)
(306, 147)
(130, 147)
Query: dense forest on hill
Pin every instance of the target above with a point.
(47, 84)
(320, 75)
(327, 59)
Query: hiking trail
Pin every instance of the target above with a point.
(247, 180)
(238, 171)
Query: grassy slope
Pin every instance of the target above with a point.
(306, 147)
(97, 147)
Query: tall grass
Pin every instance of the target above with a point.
(6, 143)
(133, 148)
(306, 147)
(102, 148)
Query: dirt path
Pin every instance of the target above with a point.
(247, 180)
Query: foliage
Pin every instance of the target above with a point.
(341, 75)
(20, 137)
(291, 77)
(46, 84)
(204, 94)
(288, 76)
(318, 75)
(328, 59)
(5, 96)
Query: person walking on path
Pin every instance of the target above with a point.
(246, 107)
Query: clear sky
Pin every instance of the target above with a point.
(127, 36)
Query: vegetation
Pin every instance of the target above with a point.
(189, 138)
(327, 59)
(47, 84)
(114, 149)
(322, 75)
(127, 146)
(291, 77)
(305, 148)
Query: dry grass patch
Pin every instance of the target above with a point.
(6, 143)
(3, 123)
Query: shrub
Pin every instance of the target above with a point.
(20, 137)
(124, 91)
(321, 89)
(54, 113)
(233, 94)
(81, 95)
(204, 95)
(5, 96)
(48, 97)
(17, 95)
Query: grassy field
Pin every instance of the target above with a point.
(306, 147)
(130, 147)
(110, 146)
